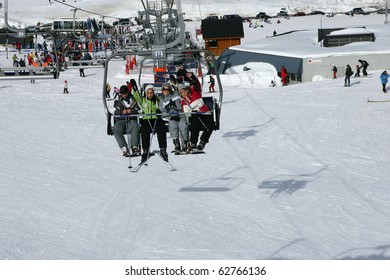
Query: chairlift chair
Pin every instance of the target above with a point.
(163, 50)
(213, 102)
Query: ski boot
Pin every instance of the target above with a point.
(186, 146)
(135, 151)
(145, 155)
(177, 149)
(201, 146)
(163, 153)
(191, 147)
(125, 151)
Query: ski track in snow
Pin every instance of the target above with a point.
(89, 200)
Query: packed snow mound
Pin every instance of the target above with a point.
(251, 75)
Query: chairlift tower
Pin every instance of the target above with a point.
(166, 26)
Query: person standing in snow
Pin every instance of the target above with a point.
(284, 76)
(348, 74)
(212, 84)
(66, 87)
(210, 65)
(334, 71)
(357, 71)
(364, 64)
(15, 60)
(82, 74)
(384, 79)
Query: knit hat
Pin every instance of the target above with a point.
(182, 86)
(166, 85)
(149, 87)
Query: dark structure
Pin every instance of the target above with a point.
(231, 57)
(220, 34)
(337, 40)
(27, 42)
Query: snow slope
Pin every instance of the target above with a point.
(297, 172)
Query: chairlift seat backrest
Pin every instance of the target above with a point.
(22, 73)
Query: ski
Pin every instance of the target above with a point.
(190, 153)
(135, 155)
(378, 100)
(195, 151)
(135, 169)
(168, 164)
(142, 163)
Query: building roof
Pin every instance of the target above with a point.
(231, 58)
(303, 44)
(222, 28)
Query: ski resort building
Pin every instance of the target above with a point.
(220, 34)
(305, 59)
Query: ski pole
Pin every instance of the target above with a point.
(151, 138)
(128, 139)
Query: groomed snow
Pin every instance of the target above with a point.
(296, 172)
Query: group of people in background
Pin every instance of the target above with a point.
(180, 107)
(349, 72)
(384, 77)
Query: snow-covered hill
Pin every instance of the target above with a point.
(43, 11)
(297, 172)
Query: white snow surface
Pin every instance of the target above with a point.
(22, 10)
(296, 172)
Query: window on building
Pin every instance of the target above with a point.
(213, 44)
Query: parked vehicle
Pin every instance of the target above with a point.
(233, 16)
(299, 14)
(317, 13)
(356, 11)
(212, 17)
(282, 13)
(262, 15)
(383, 11)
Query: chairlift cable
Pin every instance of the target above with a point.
(86, 11)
